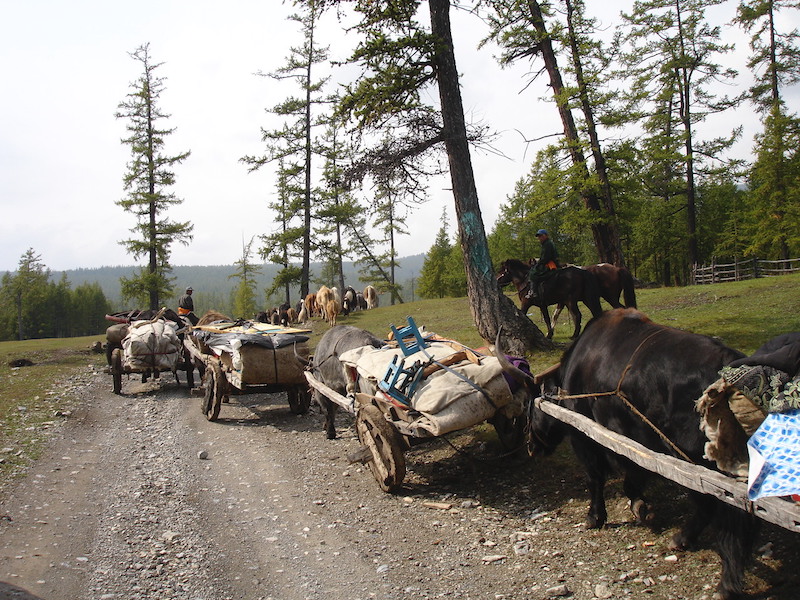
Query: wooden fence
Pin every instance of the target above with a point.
(743, 269)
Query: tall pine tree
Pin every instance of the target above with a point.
(147, 182)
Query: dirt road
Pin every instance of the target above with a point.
(138, 496)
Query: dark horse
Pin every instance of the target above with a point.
(566, 286)
(613, 282)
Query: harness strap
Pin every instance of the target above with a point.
(625, 400)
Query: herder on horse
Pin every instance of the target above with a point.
(186, 306)
(548, 261)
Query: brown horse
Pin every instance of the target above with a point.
(565, 287)
(613, 282)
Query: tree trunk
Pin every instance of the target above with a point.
(612, 243)
(490, 308)
(605, 235)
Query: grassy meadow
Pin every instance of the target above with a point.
(742, 314)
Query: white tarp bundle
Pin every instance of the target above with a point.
(151, 346)
(449, 399)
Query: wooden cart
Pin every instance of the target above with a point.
(250, 368)
(115, 355)
(387, 429)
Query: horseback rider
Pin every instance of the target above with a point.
(548, 261)
(186, 306)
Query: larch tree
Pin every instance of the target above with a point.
(25, 289)
(402, 61)
(147, 183)
(244, 294)
(432, 282)
(774, 176)
(671, 58)
(337, 211)
(284, 245)
(294, 140)
(387, 219)
(521, 28)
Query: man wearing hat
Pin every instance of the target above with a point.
(186, 306)
(548, 261)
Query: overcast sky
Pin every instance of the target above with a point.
(66, 67)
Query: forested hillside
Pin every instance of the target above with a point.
(213, 288)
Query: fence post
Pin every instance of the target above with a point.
(755, 268)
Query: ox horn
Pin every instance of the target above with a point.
(518, 374)
(306, 362)
(530, 381)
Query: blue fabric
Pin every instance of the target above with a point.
(775, 456)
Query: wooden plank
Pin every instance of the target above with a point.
(695, 477)
(333, 396)
(254, 328)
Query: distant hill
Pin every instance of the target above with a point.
(212, 285)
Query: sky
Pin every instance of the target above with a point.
(66, 66)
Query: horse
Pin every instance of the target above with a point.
(613, 282)
(566, 286)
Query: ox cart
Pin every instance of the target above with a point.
(149, 343)
(417, 388)
(777, 510)
(249, 357)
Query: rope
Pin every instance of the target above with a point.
(622, 396)
(482, 459)
(463, 378)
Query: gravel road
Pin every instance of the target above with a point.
(139, 497)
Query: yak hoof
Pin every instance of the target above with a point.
(679, 542)
(595, 522)
(642, 511)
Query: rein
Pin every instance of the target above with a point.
(622, 396)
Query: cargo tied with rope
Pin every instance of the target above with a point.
(416, 387)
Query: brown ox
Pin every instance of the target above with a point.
(311, 305)
(332, 308)
(371, 296)
(324, 296)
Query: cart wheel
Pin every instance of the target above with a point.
(299, 399)
(215, 392)
(116, 370)
(388, 464)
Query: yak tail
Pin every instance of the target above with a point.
(628, 291)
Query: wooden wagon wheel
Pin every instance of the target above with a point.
(116, 370)
(215, 392)
(388, 465)
(299, 399)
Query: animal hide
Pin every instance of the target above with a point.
(728, 418)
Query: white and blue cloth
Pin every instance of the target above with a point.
(774, 451)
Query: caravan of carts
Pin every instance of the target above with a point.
(417, 387)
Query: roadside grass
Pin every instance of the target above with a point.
(743, 314)
(33, 399)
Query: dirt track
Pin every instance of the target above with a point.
(122, 506)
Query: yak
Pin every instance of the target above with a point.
(327, 368)
(622, 356)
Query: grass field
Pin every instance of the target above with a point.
(742, 314)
